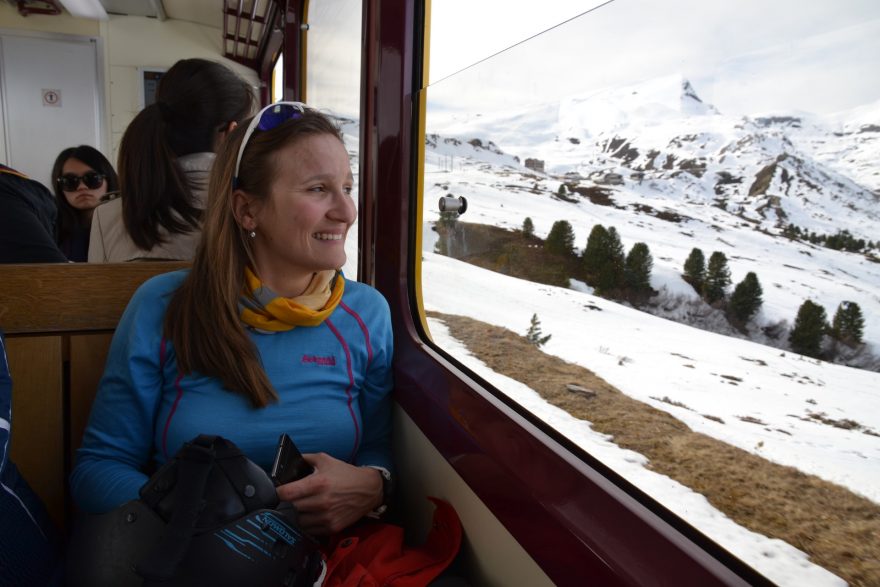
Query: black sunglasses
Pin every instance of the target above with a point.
(69, 182)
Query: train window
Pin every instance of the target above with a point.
(333, 84)
(278, 79)
(652, 228)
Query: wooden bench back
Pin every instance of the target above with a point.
(58, 320)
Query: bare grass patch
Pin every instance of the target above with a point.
(666, 400)
(838, 529)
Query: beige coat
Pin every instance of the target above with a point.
(109, 241)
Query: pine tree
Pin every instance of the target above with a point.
(560, 241)
(791, 231)
(695, 269)
(848, 325)
(534, 335)
(638, 268)
(809, 326)
(596, 252)
(615, 248)
(528, 227)
(717, 278)
(604, 260)
(561, 192)
(612, 274)
(746, 298)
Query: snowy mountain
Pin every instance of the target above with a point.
(850, 148)
(669, 170)
(690, 177)
(769, 170)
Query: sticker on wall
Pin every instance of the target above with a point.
(52, 98)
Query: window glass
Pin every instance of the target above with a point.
(670, 252)
(333, 82)
(278, 78)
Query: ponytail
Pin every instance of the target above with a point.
(195, 100)
(154, 189)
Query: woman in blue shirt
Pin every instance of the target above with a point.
(263, 336)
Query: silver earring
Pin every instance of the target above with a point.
(252, 234)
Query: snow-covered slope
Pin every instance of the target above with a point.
(691, 178)
(771, 170)
(762, 401)
(852, 145)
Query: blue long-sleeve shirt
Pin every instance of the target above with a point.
(333, 382)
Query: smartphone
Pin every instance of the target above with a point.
(289, 464)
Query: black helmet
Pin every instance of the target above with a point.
(209, 516)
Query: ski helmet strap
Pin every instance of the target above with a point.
(241, 478)
(161, 562)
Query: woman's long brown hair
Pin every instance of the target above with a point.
(202, 321)
(195, 99)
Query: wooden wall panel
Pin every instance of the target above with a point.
(38, 446)
(58, 320)
(88, 353)
(72, 296)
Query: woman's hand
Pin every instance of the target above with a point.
(335, 496)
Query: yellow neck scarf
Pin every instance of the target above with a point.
(265, 311)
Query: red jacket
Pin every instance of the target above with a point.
(373, 554)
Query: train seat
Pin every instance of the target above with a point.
(59, 320)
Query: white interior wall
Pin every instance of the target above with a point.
(129, 42)
(11, 20)
(62, 23)
(132, 42)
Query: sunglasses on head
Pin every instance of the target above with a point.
(69, 181)
(272, 116)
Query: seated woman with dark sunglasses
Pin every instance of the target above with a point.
(165, 157)
(263, 336)
(83, 177)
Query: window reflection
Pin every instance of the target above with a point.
(601, 161)
(278, 79)
(333, 81)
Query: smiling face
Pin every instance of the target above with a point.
(82, 198)
(301, 226)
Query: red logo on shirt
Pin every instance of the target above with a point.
(322, 361)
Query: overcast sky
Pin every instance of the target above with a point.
(745, 57)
